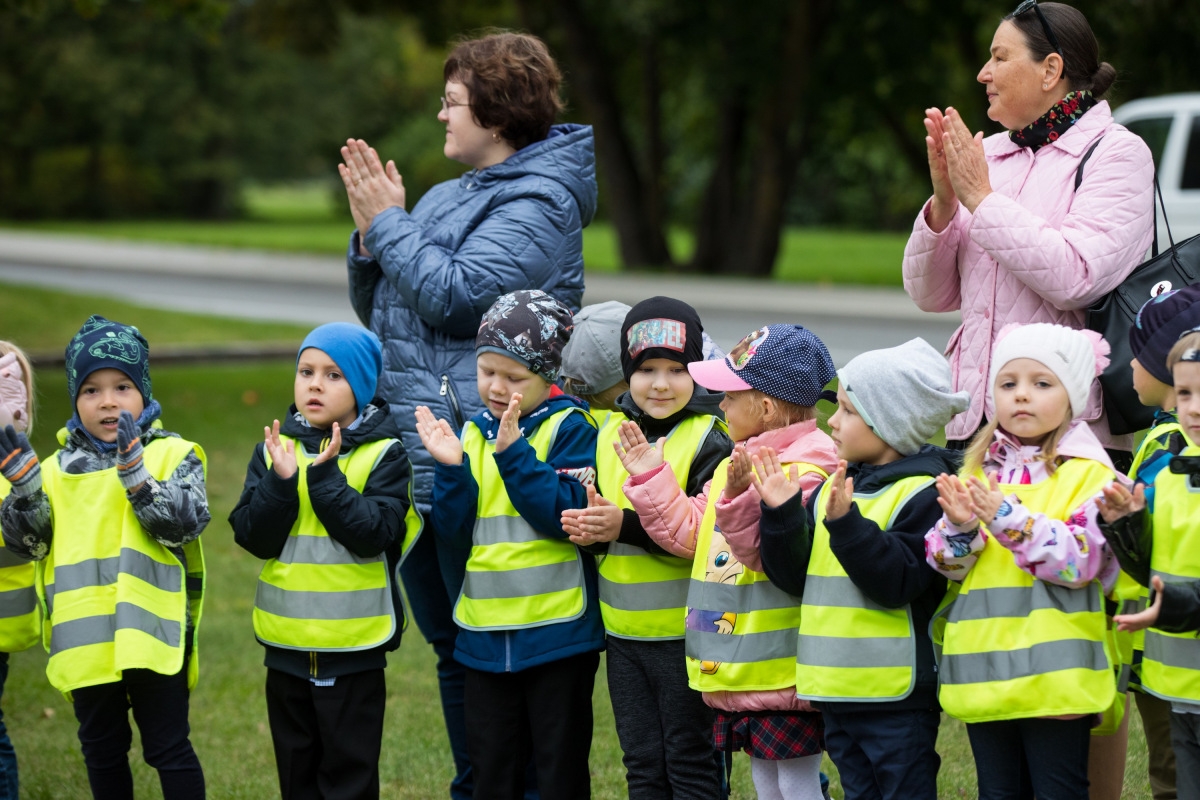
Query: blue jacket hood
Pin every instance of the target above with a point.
(567, 155)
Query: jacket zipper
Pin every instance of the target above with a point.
(447, 391)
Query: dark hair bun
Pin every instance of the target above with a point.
(1102, 78)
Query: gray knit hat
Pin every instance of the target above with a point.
(592, 356)
(903, 393)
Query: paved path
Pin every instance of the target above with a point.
(304, 288)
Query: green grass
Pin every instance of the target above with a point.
(224, 408)
(313, 218)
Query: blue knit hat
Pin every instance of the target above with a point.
(357, 353)
(1159, 324)
(104, 344)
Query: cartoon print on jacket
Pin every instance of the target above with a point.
(722, 567)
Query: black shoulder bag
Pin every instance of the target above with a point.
(1113, 315)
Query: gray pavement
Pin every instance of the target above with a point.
(312, 289)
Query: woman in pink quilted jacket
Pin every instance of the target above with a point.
(1006, 237)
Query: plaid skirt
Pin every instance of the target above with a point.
(770, 735)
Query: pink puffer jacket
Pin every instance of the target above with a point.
(1035, 250)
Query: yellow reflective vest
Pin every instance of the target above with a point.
(115, 598)
(1171, 662)
(317, 595)
(1018, 647)
(851, 648)
(741, 628)
(516, 577)
(643, 595)
(20, 612)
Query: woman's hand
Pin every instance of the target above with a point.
(945, 202)
(636, 453)
(965, 162)
(954, 499)
(1119, 502)
(438, 438)
(370, 187)
(774, 486)
(283, 454)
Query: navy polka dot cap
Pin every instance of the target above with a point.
(784, 361)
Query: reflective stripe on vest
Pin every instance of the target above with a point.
(1017, 647)
(741, 628)
(1171, 662)
(851, 648)
(644, 595)
(20, 612)
(116, 599)
(318, 595)
(515, 577)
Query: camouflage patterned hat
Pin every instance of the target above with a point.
(529, 326)
(104, 344)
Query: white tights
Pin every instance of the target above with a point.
(794, 779)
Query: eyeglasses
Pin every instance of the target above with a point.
(1028, 4)
(447, 105)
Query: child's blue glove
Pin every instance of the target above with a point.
(131, 467)
(18, 463)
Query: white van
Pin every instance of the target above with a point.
(1170, 125)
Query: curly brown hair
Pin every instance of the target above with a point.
(513, 82)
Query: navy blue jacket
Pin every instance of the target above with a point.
(540, 491)
(437, 269)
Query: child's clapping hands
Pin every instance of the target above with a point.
(439, 438)
(973, 500)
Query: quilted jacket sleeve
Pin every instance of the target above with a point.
(931, 263)
(519, 244)
(1103, 237)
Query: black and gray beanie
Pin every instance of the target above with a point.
(661, 327)
(528, 326)
(103, 344)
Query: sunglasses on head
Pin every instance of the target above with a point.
(1028, 4)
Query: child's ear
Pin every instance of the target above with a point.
(769, 409)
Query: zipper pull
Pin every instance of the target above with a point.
(445, 385)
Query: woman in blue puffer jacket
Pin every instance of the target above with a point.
(421, 280)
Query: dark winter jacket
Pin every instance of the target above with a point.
(540, 491)
(715, 449)
(887, 566)
(366, 524)
(515, 225)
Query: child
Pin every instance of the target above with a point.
(20, 615)
(856, 553)
(114, 518)
(591, 358)
(663, 725)
(1158, 326)
(1024, 661)
(530, 630)
(741, 629)
(1160, 549)
(327, 504)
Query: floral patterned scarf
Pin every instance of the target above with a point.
(1061, 116)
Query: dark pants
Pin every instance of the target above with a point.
(8, 756)
(1016, 759)
(544, 712)
(160, 709)
(1185, 741)
(1160, 759)
(663, 724)
(327, 738)
(884, 755)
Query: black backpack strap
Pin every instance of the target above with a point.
(1084, 160)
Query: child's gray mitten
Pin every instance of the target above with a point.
(18, 463)
(131, 467)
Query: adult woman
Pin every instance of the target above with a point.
(1006, 237)
(423, 279)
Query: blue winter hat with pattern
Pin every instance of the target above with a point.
(785, 361)
(530, 327)
(103, 344)
(355, 350)
(1159, 324)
